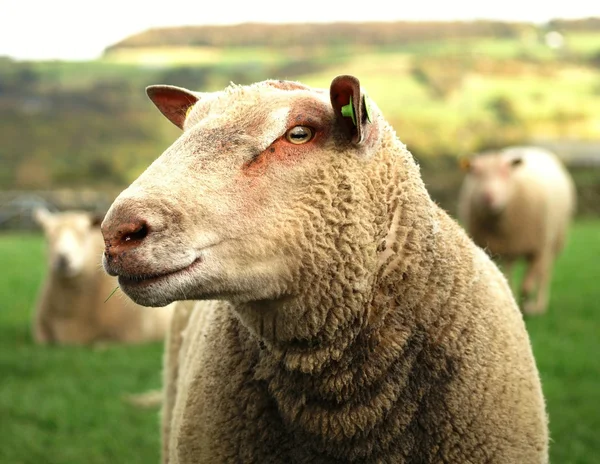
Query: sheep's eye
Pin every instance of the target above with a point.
(299, 134)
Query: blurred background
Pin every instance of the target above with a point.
(76, 128)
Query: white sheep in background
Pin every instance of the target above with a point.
(72, 306)
(517, 203)
(352, 320)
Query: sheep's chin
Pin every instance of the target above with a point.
(160, 290)
(210, 279)
(67, 273)
(496, 210)
(491, 211)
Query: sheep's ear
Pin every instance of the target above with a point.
(42, 216)
(516, 162)
(96, 219)
(173, 102)
(351, 107)
(464, 163)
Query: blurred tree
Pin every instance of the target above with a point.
(594, 59)
(441, 76)
(186, 76)
(33, 174)
(504, 110)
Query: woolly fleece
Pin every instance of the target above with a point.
(534, 203)
(352, 320)
(72, 309)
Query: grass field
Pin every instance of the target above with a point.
(63, 405)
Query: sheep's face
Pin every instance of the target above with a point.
(70, 240)
(247, 198)
(491, 180)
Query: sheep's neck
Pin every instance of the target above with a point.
(383, 367)
(383, 377)
(79, 283)
(376, 350)
(71, 294)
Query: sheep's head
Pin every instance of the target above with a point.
(251, 193)
(70, 238)
(490, 180)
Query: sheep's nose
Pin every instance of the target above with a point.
(123, 236)
(61, 262)
(488, 198)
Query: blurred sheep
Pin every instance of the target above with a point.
(349, 318)
(73, 306)
(518, 203)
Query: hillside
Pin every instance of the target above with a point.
(375, 34)
(449, 89)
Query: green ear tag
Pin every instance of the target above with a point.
(188, 111)
(348, 111)
(367, 103)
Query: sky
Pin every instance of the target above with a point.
(80, 30)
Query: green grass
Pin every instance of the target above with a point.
(63, 405)
(585, 43)
(541, 94)
(440, 96)
(186, 55)
(566, 344)
(82, 74)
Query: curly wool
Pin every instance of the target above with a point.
(84, 308)
(357, 321)
(533, 223)
(420, 358)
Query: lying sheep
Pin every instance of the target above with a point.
(72, 306)
(518, 203)
(350, 319)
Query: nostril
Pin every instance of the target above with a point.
(138, 234)
(61, 262)
(124, 235)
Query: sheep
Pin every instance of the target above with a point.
(72, 306)
(330, 310)
(516, 203)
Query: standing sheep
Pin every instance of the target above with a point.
(518, 203)
(72, 306)
(352, 320)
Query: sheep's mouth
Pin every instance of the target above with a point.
(138, 280)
